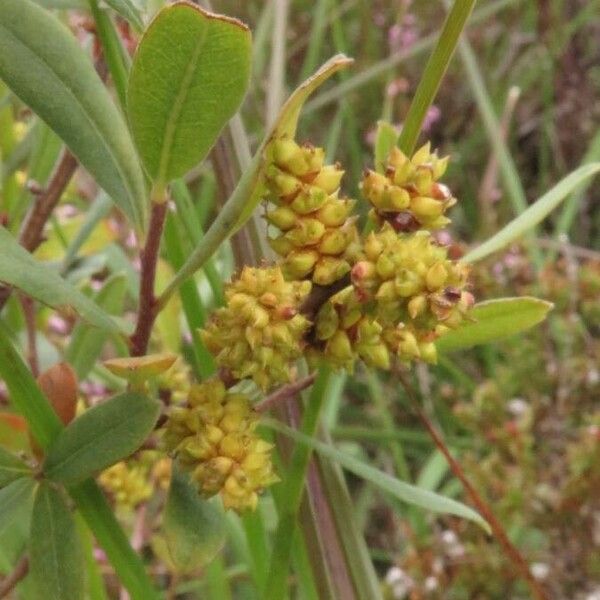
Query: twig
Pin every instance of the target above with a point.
(31, 235)
(511, 551)
(147, 310)
(19, 572)
(284, 393)
(32, 230)
(319, 294)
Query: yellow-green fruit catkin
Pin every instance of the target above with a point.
(259, 332)
(347, 333)
(407, 195)
(127, 482)
(214, 439)
(317, 235)
(417, 291)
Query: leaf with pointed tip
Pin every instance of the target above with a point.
(19, 269)
(56, 564)
(100, 437)
(403, 491)
(54, 76)
(533, 215)
(493, 320)
(285, 125)
(189, 76)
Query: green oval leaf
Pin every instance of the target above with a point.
(15, 501)
(19, 269)
(494, 320)
(100, 437)
(56, 564)
(189, 76)
(53, 75)
(403, 491)
(11, 468)
(536, 213)
(193, 527)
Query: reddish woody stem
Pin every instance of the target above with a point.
(284, 393)
(32, 230)
(147, 311)
(482, 506)
(20, 571)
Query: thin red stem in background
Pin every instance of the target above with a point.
(10, 581)
(482, 506)
(32, 230)
(147, 310)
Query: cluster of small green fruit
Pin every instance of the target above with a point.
(389, 293)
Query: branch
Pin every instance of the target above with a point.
(284, 393)
(10, 581)
(148, 306)
(482, 506)
(32, 229)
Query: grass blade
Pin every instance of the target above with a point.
(401, 490)
(536, 213)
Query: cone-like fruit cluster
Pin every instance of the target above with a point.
(345, 333)
(127, 482)
(417, 291)
(259, 333)
(408, 195)
(214, 438)
(316, 231)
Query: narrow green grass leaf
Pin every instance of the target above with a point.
(100, 518)
(291, 495)
(86, 341)
(377, 70)
(494, 320)
(55, 77)
(386, 139)
(194, 527)
(11, 468)
(16, 500)
(19, 269)
(56, 563)
(100, 437)
(434, 72)
(182, 94)
(399, 489)
(116, 57)
(128, 10)
(535, 214)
